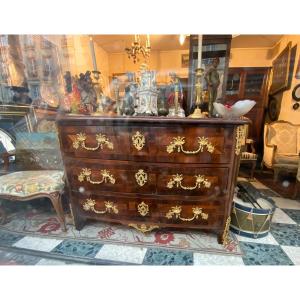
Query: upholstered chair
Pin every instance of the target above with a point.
(281, 147)
(39, 172)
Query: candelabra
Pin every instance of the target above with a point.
(98, 89)
(116, 87)
(137, 49)
(199, 94)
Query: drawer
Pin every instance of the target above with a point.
(189, 144)
(150, 210)
(145, 178)
(111, 176)
(107, 142)
(185, 144)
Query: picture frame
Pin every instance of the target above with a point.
(281, 68)
(185, 59)
(297, 74)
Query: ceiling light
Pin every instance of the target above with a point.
(182, 39)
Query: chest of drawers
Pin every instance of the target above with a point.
(151, 173)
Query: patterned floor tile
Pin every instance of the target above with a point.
(261, 254)
(286, 234)
(293, 253)
(77, 248)
(294, 214)
(269, 239)
(280, 216)
(9, 258)
(50, 262)
(155, 256)
(127, 254)
(286, 203)
(204, 259)
(37, 243)
(8, 239)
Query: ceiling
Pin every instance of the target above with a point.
(255, 41)
(117, 43)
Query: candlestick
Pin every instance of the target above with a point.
(93, 54)
(199, 51)
(148, 41)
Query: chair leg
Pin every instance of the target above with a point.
(56, 202)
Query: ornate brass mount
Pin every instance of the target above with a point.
(110, 207)
(141, 177)
(179, 141)
(176, 211)
(225, 238)
(143, 227)
(176, 181)
(143, 208)
(86, 175)
(240, 138)
(138, 140)
(101, 139)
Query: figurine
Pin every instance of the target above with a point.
(213, 81)
(162, 103)
(87, 92)
(128, 102)
(68, 82)
(175, 97)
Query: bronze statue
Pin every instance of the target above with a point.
(212, 78)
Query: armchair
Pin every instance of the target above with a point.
(39, 172)
(281, 147)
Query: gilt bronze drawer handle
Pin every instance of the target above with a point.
(101, 139)
(138, 140)
(143, 208)
(143, 227)
(176, 181)
(106, 176)
(141, 177)
(110, 207)
(179, 141)
(176, 211)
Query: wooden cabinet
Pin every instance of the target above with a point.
(150, 173)
(250, 83)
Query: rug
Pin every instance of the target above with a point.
(37, 220)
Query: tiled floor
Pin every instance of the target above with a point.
(280, 247)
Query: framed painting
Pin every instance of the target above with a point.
(185, 58)
(281, 67)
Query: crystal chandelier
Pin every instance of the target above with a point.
(137, 49)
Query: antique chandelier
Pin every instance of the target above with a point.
(137, 49)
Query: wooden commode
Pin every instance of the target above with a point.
(152, 172)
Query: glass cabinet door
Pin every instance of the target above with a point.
(253, 84)
(233, 84)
